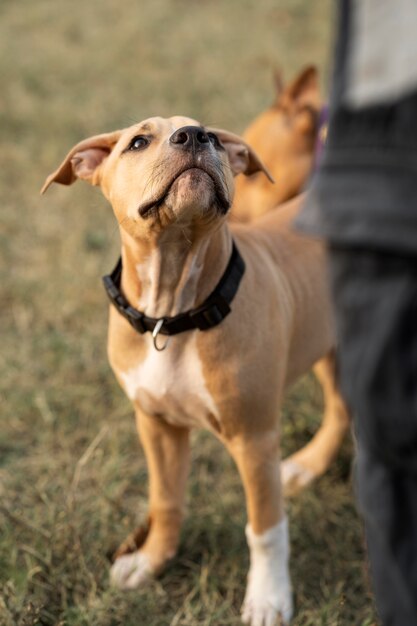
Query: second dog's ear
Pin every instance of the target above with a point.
(242, 158)
(304, 90)
(84, 160)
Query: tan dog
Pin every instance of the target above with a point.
(170, 182)
(285, 138)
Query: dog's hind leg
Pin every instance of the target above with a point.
(167, 454)
(268, 598)
(314, 459)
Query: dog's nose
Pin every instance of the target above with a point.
(190, 137)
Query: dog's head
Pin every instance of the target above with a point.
(284, 136)
(161, 172)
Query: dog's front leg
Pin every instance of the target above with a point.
(167, 453)
(268, 598)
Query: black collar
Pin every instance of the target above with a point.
(213, 310)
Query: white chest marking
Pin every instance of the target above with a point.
(268, 593)
(171, 384)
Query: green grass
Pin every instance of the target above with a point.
(72, 475)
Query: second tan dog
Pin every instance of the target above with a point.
(249, 313)
(284, 135)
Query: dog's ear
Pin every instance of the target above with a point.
(84, 160)
(304, 90)
(302, 101)
(242, 158)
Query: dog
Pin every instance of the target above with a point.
(285, 137)
(209, 323)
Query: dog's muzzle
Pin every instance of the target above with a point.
(199, 151)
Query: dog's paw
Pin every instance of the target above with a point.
(294, 477)
(265, 605)
(263, 615)
(268, 598)
(131, 571)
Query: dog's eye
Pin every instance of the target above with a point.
(214, 140)
(138, 143)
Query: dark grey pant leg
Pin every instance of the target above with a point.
(388, 502)
(375, 298)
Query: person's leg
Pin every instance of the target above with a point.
(375, 297)
(388, 502)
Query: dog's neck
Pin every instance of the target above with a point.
(174, 273)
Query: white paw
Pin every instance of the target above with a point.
(294, 476)
(268, 598)
(130, 571)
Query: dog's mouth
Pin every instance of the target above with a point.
(222, 201)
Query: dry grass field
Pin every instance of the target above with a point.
(72, 474)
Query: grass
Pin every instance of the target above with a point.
(72, 476)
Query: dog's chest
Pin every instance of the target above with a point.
(171, 385)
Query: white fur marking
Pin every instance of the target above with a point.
(153, 272)
(171, 383)
(268, 595)
(147, 273)
(294, 476)
(130, 571)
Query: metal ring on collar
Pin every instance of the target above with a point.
(155, 334)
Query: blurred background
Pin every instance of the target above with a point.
(72, 474)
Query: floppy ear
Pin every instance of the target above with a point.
(83, 160)
(242, 158)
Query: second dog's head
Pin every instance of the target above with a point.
(284, 136)
(161, 172)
